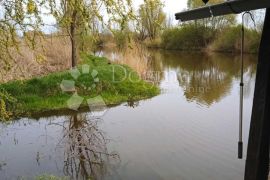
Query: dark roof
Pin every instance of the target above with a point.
(228, 7)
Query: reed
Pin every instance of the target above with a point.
(51, 54)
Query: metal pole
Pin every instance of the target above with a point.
(240, 142)
(241, 104)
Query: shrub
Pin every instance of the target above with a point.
(229, 40)
(7, 104)
(155, 43)
(187, 37)
(121, 39)
(89, 42)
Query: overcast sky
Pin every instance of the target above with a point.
(171, 7)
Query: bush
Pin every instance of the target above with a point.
(230, 40)
(121, 39)
(156, 43)
(7, 104)
(187, 37)
(88, 42)
(197, 37)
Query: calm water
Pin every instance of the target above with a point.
(188, 132)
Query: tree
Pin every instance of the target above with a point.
(17, 17)
(151, 18)
(82, 16)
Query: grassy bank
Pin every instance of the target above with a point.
(50, 177)
(113, 82)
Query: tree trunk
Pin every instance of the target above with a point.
(73, 40)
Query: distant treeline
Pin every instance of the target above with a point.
(194, 37)
(221, 33)
(189, 37)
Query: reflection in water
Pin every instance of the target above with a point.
(75, 144)
(2, 164)
(86, 154)
(205, 79)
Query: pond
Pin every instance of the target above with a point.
(188, 132)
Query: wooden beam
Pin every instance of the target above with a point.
(228, 7)
(257, 162)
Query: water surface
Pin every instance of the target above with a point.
(188, 132)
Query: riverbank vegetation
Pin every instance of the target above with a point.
(154, 29)
(218, 34)
(113, 82)
(50, 177)
(191, 37)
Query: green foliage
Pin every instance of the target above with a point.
(44, 93)
(230, 41)
(19, 16)
(198, 37)
(187, 37)
(151, 19)
(50, 177)
(7, 104)
(89, 43)
(156, 43)
(75, 17)
(85, 17)
(121, 38)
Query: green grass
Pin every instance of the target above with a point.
(43, 94)
(50, 177)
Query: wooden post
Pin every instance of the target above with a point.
(257, 162)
